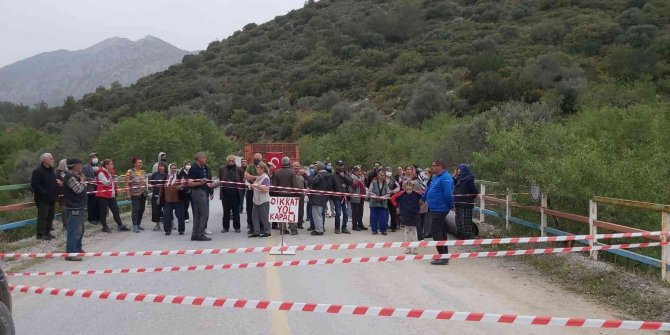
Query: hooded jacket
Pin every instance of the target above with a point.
(155, 168)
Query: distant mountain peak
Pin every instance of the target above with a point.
(52, 76)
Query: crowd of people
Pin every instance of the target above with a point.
(416, 200)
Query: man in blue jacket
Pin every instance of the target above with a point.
(439, 197)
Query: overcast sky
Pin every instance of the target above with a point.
(29, 27)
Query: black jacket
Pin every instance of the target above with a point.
(43, 184)
(465, 193)
(321, 181)
(237, 176)
(341, 183)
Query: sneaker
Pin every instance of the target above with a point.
(74, 259)
(443, 261)
(207, 232)
(123, 228)
(345, 231)
(337, 231)
(136, 229)
(238, 231)
(157, 227)
(315, 233)
(106, 230)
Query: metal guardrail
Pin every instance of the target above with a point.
(19, 224)
(16, 187)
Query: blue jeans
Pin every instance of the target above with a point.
(309, 216)
(75, 229)
(341, 209)
(379, 219)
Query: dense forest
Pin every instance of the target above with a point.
(568, 94)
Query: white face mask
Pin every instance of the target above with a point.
(94, 160)
(187, 167)
(388, 174)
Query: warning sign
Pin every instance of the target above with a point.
(284, 209)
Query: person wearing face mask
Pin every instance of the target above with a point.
(232, 195)
(310, 172)
(90, 171)
(185, 193)
(162, 158)
(250, 176)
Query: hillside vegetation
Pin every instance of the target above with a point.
(569, 94)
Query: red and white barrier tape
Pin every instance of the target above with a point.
(337, 246)
(346, 260)
(356, 310)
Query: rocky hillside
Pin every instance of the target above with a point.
(53, 76)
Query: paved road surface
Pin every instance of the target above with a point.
(482, 285)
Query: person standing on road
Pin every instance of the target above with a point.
(90, 170)
(74, 195)
(286, 177)
(465, 193)
(169, 198)
(358, 203)
(136, 179)
(439, 196)
(106, 194)
(378, 205)
(232, 193)
(341, 183)
(408, 209)
(157, 180)
(302, 184)
(250, 176)
(320, 181)
(394, 187)
(243, 164)
(45, 189)
(201, 193)
(261, 201)
(185, 192)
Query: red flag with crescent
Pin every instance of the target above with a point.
(274, 158)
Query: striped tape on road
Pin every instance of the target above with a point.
(357, 310)
(338, 246)
(346, 260)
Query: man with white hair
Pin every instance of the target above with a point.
(45, 189)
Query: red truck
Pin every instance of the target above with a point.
(290, 150)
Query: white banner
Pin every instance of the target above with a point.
(284, 209)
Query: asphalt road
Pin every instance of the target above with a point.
(481, 285)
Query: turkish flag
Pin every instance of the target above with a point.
(274, 158)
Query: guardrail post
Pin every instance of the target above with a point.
(543, 218)
(665, 250)
(482, 202)
(593, 230)
(508, 208)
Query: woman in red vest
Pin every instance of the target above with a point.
(106, 196)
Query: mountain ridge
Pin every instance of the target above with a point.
(52, 76)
